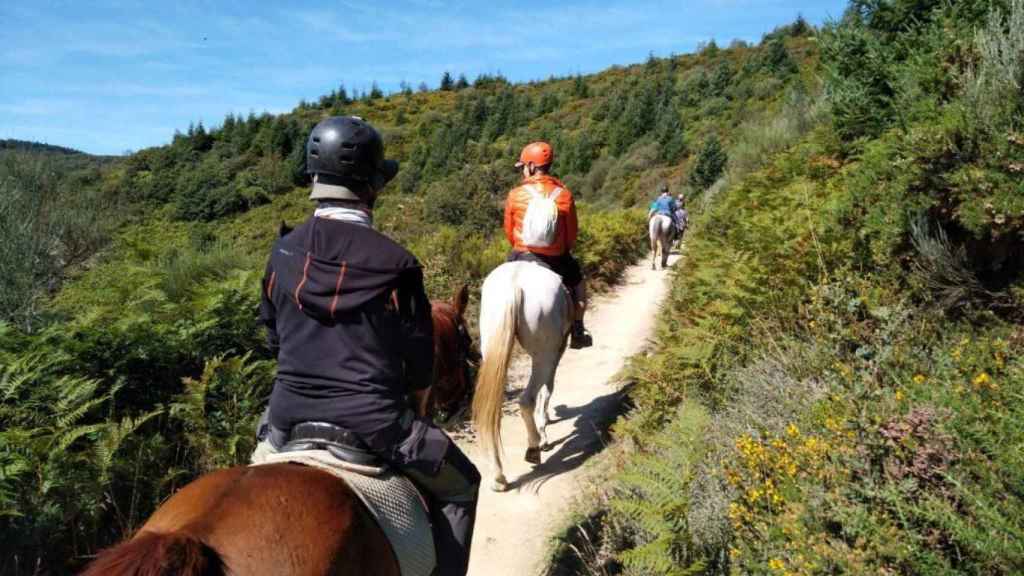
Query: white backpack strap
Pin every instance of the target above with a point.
(554, 193)
(532, 190)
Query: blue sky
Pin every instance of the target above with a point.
(111, 76)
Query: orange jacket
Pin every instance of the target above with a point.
(515, 210)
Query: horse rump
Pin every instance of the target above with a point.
(158, 554)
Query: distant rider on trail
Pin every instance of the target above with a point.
(665, 204)
(348, 317)
(682, 216)
(541, 226)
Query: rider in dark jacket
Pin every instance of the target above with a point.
(347, 315)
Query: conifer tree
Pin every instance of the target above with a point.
(710, 164)
(446, 82)
(580, 89)
(342, 96)
(670, 134)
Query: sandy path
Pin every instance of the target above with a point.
(513, 528)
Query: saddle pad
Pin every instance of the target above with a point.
(391, 498)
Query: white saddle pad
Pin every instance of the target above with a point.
(391, 498)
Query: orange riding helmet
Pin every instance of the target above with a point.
(539, 153)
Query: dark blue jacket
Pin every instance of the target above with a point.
(348, 317)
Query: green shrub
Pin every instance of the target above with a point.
(219, 411)
(653, 499)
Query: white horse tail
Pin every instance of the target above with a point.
(498, 342)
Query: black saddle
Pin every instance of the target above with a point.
(339, 442)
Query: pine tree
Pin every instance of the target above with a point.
(776, 57)
(461, 83)
(446, 82)
(201, 140)
(342, 96)
(375, 92)
(580, 89)
(710, 164)
(670, 134)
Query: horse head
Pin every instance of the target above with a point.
(454, 352)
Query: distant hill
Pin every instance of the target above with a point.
(12, 144)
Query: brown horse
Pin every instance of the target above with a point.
(281, 519)
(453, 353)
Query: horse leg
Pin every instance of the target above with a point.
(500, 483)
(544, 399)
(527, 405)
(666, 242)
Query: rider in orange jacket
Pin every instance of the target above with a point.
(535, 164)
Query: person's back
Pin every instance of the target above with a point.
(348, 317)
(344, 351)
(665, 204)
(519, 198)
(533, 198)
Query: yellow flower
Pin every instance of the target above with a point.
(776, 564)
(919, 378)
(981, 380)
(792, 430)
(899, 395)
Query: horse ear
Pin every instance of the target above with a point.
(284, 229)
(461, 299)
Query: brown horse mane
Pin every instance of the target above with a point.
(157, 554)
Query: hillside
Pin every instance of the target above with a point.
(837, 388)
(139, 364)
(27, 146)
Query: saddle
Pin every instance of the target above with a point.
(337, 441)
(391, 498)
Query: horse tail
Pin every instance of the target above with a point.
(158, 554)
(490, 384)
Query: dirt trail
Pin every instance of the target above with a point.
(513, 527)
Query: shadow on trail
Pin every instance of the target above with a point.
(588, 437)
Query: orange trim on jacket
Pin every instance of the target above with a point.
(515, 210)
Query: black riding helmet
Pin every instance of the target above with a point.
(345, 156)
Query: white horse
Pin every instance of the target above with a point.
(660, 232)
(525, 302)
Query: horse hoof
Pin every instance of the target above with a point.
(533, 455)
(499, 485)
